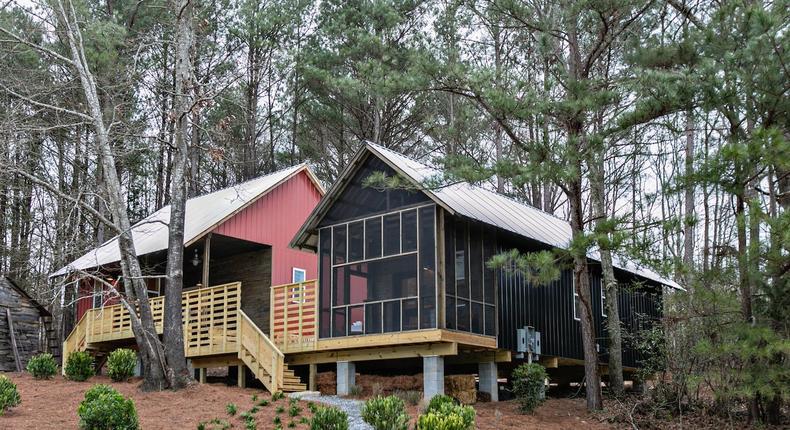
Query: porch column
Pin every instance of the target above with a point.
(346, 377)
(312, 378)
(242, 378)
(487, 372)
(202, 375)
(206, 260)
(433, 376)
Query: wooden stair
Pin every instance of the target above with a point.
(264, 359)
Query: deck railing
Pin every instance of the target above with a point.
(294, 316)
(210, 319)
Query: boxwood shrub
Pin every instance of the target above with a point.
(529, 386)
(386, 413)
(106, 409)
(121, 364)
(42, 366)
(329, 418)
(9, 395)
(79, 366)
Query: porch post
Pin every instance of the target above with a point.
(312, 378)
(206, 259)
(242, 375)
(346, 376)
(488, 379)
(433, 376)
(202, 373)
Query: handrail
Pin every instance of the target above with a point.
(263, 350)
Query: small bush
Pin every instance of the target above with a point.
(329, 418)
(437, 401)
(106, 409)
(528, 386)
(409, 397)
(355, 391)
(294, 411)
(277, 396)
(447, 416)
(386, 413)
(42, 366)
(121, 364)
(263, 403)
(279, 409)
(231, 408)
(9, 395)
(79, 366)
(215, 424)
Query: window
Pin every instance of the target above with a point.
(373, 238)
(576, 302)
(298, 275)
(356, 241)
(603, 300)
(97, 296)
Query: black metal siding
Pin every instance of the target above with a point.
(549, 308)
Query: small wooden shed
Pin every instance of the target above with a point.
(25, 326)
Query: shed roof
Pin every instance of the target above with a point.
(203, 214)
(473, 202)
(6, 282)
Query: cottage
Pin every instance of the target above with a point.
(24, 326)
(400, 264)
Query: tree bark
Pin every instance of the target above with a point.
(178, 373)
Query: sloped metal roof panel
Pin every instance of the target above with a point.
(202, 213)
(487, 206)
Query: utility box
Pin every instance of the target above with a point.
(528, 343)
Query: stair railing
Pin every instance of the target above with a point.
(263, 350)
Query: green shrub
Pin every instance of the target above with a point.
(437, 401)
(529, 386)
(277, 396)
(42, 366)
(121, 364)
(106, 409)
(445, 414)
(385, 413)
(231, 408)
(329, 418)
(215, 424)
(294, 410)
(79, 366)
(9, 395)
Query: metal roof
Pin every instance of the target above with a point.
(203, 214)
(480, 204)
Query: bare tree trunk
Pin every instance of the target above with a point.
(143, 327)
(178, 372)
(688, 222)
(610, 290)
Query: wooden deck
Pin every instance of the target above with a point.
(218, 333)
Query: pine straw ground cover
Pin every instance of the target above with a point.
(53, 404)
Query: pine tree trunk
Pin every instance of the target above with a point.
(613, 328)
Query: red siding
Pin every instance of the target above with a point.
(274, 220)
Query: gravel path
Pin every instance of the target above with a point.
(350, 406)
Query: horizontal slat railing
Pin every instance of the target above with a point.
(294, 316)
(210, 318)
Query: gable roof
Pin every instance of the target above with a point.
(203, 214)
(6, 282)
(473, 202)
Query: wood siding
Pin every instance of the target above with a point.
(273, 220)
(27, 319)
(254, 271)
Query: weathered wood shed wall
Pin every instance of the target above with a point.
(31, 323)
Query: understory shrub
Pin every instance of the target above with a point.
(79, 366)
(437, 401)
(9, 395)
(42, 366)
(445, 414)
(409, 397)
(529, 386)
(121, 364)
(385, 413)
(106, 409)
(329, 418)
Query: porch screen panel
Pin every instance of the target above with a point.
(325, 277)
(427, 236)
(383, 273)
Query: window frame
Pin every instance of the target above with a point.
(603, 300)
(294, 271)
(574, 299)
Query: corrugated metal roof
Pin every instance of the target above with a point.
(202, 214)
(487, 206)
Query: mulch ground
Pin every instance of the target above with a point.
(53, 404)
